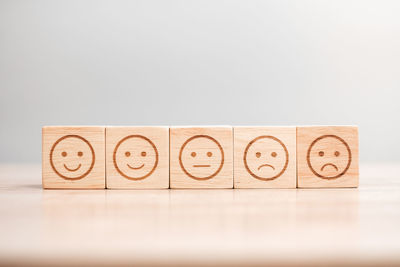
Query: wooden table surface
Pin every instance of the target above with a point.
(201, 227)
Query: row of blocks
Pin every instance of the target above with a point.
(89, 157)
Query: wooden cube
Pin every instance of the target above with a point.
(73, 157)
(201, 157)
(137, 157)
(264, 157)
(327, 156)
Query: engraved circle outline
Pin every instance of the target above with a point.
(255, 140)
(115, 160)
(349, 157)
(222, 157)
(55, 169)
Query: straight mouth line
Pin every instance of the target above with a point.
(72, 170)
(201, 166)
(329, 164)
(266, 165)
(135, 168)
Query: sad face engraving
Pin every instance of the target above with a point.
(266, 158)
(329, 157)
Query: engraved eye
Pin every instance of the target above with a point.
(258, 154)
(64, 154)
(143, 154)
(80, 153)
(273, 154)
(337, 153)
(209, 154)
(193, 154)
(127, 153)
(321, 153)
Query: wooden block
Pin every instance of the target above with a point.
(73, 157)
(327, 156)
(137, 157)
(264, 157)
(201, 157)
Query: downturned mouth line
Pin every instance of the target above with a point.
(201, 165)
(135, 168)
(266, 165)
(329, 164)
(72, 170)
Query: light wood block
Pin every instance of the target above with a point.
(73, 157)
(327, 156)
(201, 157)
(137, 157)
(264, 157)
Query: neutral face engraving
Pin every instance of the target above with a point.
(72, 157)
(201, 157)
(329, 157)
(266, 158)
(135, 157)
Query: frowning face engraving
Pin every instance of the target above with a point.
(201, 157)
(266, 158)
(72, 157)
(135, 157)
(329, 157)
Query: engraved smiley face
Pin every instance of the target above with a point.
(135, 157)
(72, 157)
(201, 157)
(329, 157)
(266, 158)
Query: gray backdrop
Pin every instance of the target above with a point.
(199, 62)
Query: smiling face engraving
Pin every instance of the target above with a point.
(135, 157)
(72, 157)
(266, 158)
(329, 157)
(201, 157)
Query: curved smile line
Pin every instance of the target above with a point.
(72, 170)
(329, 164)
(133, 168)
(266, 165)
(201, 166)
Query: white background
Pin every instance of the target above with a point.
(199, 62)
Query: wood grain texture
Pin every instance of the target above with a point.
(137, 157)
(241, 227)
(201, 157)
(73, 157)
(327, 156)
(264, 157)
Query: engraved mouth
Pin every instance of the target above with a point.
(72, 170)
(266, 165)
(135, 168)
(201, 166)
(329, 164)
